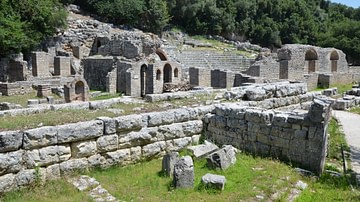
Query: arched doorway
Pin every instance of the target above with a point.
(334, 57)
(143, 79)
(176, 72)
(310, 57)
(79, 91)
(167, 73)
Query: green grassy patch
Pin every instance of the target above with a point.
(342, 88)
(57, 190)
(19, 99)
(107, 96)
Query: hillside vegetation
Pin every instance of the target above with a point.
(269, 23)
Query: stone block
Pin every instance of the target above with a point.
(135, 153)
(184, 173)
(222, 158)
(53, 172)
(192, 127)
(195, 139)
(121, 157)
(202, 150)
(68, 167)
(97, 161)
(153, 150)
(172, 131)
(160, 118)
(7, 183)
(80, 131)
(213, 181)
(10, 141)
(134, 139)
(11, 162)
(181, 143)
(25, 177)
(168, 163)
(73, 106)
(47, 156)
(109, 124)
(40, 137)
(108, 143)
(130, 122)
(83, 149)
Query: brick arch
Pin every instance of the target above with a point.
(161, 55)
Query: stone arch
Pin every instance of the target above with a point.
(161, 55)
(158, 74)
(334, 57)
(143, 70)
(80, 91)
(176, 72)
(167, 73)
(310, 57)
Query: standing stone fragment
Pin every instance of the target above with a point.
(222, 158)
(184, 173)
(214, 181)
(168, 163)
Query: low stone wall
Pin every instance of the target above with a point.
(176, 95)
(53, 151)
(298, 138)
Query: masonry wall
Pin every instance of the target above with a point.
(200, 77)
(298, 138)
(40, 64)
(62, 66)
(96, 69)
(55, 151)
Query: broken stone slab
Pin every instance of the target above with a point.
(84, 182)
(184, 173)
(214, 181)
(223, 158)
(330, 92)
(202, 150)
(168, 163)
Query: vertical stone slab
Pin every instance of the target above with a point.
(184, 173)
(40, 64)
(168, 163)
(62, 66)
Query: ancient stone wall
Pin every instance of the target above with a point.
(62, 66)
(297, 138)
(40, 64)
(11, 89)
(328, 80)
(200, 77)
(53, 151)
(96, 69)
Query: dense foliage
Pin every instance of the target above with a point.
(24, 23)
(269, 23)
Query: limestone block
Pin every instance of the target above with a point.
(319, 111)
(202, 111)
(107, 143)
(39, 137)
(281, 120)
(153, 150)
(10, 141)
(83, 149)
(80, 131)
(25, 177)
(110, 125)
(7, 183)
(11, 162)
(121, 157)
(53, 172)
(180, 115)
(184, 173)
(172, 131)
(134, 139)
(160, 118)
(199, 151)
(97, 161)
(222, 158)
(181, 143)
(342, 104)
(74, 105)
(213, 181)
(253, 115)
(192, 127)
(195, 139)
(135, 153)
(67, 167)
(47, 156)
(256, 94)
(168, 163)
(130, 122)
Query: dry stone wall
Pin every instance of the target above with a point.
(53, 151)
(298, 138)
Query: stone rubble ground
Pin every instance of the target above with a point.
(93, 188)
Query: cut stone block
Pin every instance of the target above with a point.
(222, 158)
(168, 163)
(184, 173)
(202, 150)
(214, 181)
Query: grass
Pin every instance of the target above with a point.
(248, 178)
(19, 99)
(57, 190)
(107, 96)
(342, 88)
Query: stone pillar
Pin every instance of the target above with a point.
(111, 81)
(184, 173)
(62, 66)
(43, 90)
(40, 64)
